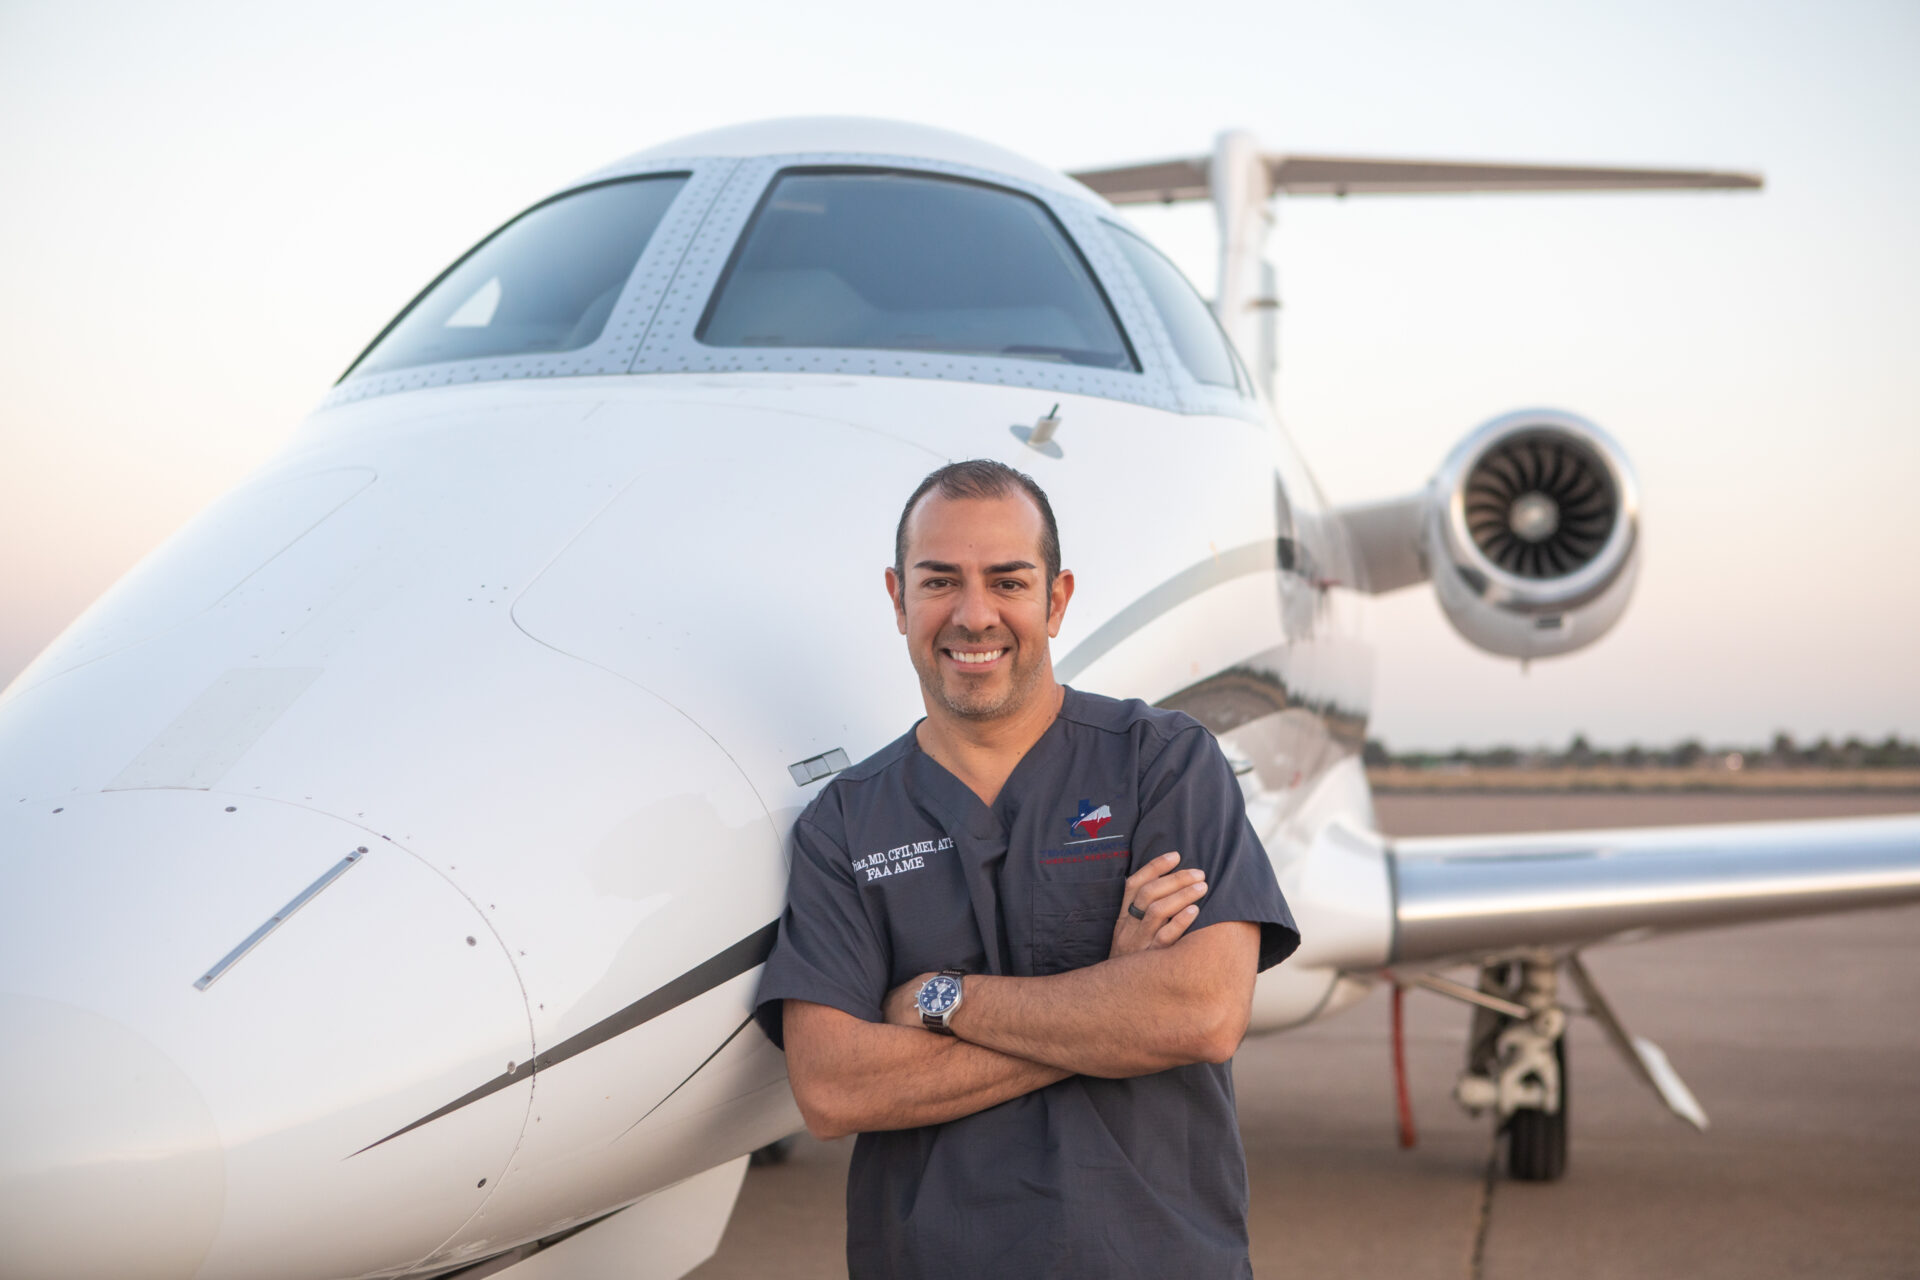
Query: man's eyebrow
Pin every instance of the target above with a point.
(941, 566)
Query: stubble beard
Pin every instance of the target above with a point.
(974, 703)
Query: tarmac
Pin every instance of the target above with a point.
(1800, 1039)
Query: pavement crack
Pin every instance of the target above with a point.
(1476, 1264)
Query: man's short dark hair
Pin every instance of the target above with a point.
(981, 478)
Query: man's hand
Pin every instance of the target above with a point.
(1169, 901)
(1127, 1016)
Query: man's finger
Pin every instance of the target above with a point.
(1172, 931)
(1158, 867)
(1173, 882)
(1164, 906)
(1153, 895)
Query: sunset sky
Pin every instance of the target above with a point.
(211, 208)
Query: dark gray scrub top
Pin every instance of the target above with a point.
(899, 869)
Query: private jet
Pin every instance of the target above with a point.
(391, 856)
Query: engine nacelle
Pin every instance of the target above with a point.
(1532, 534)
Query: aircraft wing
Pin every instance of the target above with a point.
(1164, 181)
(1461, 899)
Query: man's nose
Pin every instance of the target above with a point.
(976, 610)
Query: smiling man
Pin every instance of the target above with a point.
(1020, 943)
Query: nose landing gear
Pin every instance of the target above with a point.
(1517, 1065)
(1517, 1055)
(1537, 1139)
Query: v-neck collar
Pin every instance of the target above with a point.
(957, 804)
(980, 831)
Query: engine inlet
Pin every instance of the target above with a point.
(1539, 505)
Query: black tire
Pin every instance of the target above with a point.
(1536, 1140)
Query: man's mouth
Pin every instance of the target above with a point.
(974, 657)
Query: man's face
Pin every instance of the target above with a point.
(974, 604)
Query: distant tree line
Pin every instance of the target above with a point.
(1782, 753)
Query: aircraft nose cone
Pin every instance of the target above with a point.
(111, 1165)
(154, 1126)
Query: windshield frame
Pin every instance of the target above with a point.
(651, 328)
(670, 346)
(1241, 384)
(1066, 241)
(612, 351)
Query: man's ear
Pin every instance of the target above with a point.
(896, 593)
(1056, 602)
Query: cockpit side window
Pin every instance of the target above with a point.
(547, 281)
(898, 261)
(1191, 325)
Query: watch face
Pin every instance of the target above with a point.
(939, 995)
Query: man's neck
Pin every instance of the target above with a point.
(983, 753)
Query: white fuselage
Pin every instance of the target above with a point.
(546, 652)
(387, 863)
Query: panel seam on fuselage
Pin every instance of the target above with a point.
(737, 959)
(1243, 561)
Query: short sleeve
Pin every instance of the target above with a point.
(1191, 802)
(828, 950)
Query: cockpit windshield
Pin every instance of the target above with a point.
(547, 281)
(911, 262)
(1190, 322)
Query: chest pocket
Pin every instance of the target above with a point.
(1073, 922)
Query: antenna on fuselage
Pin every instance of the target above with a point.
(1245, 184)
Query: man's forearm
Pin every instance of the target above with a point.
(851, 1076)
(1128, 1016)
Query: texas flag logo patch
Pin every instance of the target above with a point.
(1090, 819)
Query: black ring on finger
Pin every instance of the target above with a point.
(1136, 912)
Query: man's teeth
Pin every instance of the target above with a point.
(974, 658)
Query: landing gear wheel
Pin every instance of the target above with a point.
(1537, 1140)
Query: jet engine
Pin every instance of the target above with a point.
(1529, 532)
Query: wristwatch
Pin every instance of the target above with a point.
(939, 996)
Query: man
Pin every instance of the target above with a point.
(1021, 941)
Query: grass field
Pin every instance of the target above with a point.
(1399, 778)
